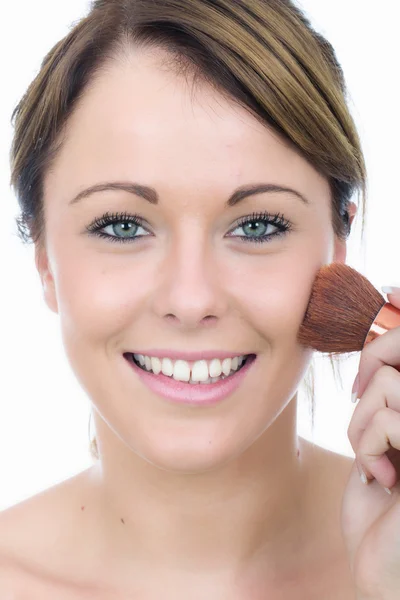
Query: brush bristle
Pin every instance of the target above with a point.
(343, 305)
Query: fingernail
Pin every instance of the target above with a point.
(388, 491)
(390, 289)
(355, 389)
(362, 474)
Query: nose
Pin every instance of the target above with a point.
(189, 292)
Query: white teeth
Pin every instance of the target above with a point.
(156, 365)
(215, 368)
(167, 367)
(202, 371)
(226, 366)
(181, 371)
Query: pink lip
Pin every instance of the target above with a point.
(186, 393)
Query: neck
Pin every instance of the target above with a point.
(256, 507)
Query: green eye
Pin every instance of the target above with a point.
(254, 226)
(261, 222)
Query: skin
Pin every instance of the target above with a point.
(224, 484)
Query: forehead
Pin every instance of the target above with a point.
(138, 118)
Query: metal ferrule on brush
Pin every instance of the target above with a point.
(387, 318)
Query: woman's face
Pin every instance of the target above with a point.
(185, 279)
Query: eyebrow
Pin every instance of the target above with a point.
(150, 194)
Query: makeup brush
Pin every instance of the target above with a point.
(345, 312)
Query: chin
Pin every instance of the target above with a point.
(188, 456)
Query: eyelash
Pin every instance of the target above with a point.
(277, 220)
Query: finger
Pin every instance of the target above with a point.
(383, 350)
(382, 433)
(394, 296)
(383, 391)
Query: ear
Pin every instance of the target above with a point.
(46, 277)
(340, 246)
(352, 209)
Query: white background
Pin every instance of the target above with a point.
(44, 414)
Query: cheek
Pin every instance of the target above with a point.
(99, 293)
(273, 293)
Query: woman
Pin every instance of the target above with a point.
(184, 169)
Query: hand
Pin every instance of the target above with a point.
(370, 517)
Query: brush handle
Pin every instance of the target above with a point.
(387, 318)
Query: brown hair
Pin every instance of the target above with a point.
(262, 54)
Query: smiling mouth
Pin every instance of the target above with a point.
(248, 357)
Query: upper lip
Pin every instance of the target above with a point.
(191, 356)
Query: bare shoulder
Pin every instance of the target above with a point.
(10, 584)
(36, 538)
(337, 469)
(38, 520)
(331, 474)
(322, 457)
